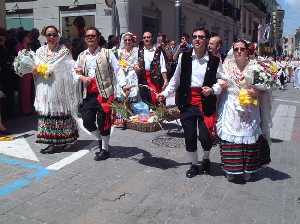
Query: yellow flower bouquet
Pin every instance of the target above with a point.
(123, 63)
(245, 99)
(44, 71)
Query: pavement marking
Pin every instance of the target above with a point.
(38, 175)
(68, 160)
(18, 148)
(287, 101)
(283, 122)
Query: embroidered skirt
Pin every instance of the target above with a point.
(240, 158)
(56, 130)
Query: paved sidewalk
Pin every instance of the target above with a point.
(144, 182)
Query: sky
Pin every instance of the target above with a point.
(292, 15)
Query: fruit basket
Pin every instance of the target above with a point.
(172, 113)
(143, 127)
(143, 123)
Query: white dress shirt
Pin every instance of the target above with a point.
(148, 58)
(90, 65)
(199, 66)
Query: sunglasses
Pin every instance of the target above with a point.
(199, 37)
(51, 35)
(147, 37)
(90, 36)
(241, 49)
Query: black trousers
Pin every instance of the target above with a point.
(91, 112)
(192, 121)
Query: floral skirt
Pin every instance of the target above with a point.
(56, 130)
(240, 158)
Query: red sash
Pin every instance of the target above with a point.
(154, 87)
(196, 100)
(105, 103)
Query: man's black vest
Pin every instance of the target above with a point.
(183, 92)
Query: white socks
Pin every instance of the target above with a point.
(105, 141)
(193, 157)
(96, 134)
(205, 154)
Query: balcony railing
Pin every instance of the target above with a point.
(202, 2)
(217, 5)
(237, 14)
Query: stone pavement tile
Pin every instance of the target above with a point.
(42, 208)
(7, 204)
(17, 219)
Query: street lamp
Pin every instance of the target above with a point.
(178, 30)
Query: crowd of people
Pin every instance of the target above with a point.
(206, 83)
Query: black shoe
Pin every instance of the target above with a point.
(206, 165)
(48, 149)
(102, 155)
(193, 171)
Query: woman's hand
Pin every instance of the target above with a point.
(34, 70)
(252, 92)
(136, 68)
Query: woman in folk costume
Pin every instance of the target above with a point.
(128, 62)
(243, 131)
(55, 98)
(99, 71)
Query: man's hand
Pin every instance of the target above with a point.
(206, 91)
(165, 84)
(85, 80)
(161, 98)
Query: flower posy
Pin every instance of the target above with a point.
(43, 70)
(123, 63)
(24, 62)
(245, 99)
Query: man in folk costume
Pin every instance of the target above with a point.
(152, 73)
(195, 82)
(98, 69)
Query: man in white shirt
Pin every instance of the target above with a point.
(152, 72)
(195, 83)
(97, 68)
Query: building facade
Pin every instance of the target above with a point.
(231, 19)
(2, 14)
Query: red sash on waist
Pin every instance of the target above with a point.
(195, 99)
(154, 87)
(105, 103)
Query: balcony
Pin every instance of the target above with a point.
(217, 5)
(202, 2)
(255, 4)
(228, 9)
(237, 14)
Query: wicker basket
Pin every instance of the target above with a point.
(173, 113)
(143, 127)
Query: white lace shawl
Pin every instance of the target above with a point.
(58, 95)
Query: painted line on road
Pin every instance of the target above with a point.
(38, 175)
(283, 122)
(287, 101)
(73, 157)
(68, 160)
